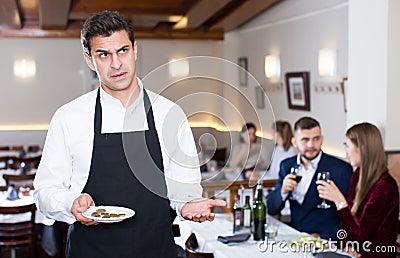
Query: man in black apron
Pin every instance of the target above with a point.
(116, 177)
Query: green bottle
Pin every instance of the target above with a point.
(259, 214)
(247, 213)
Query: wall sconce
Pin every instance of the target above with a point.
(178, 67)
(272, 66)
(24, 68)
(327, 65)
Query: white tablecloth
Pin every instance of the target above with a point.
(24, 200)
(49, 243)
(208, 232)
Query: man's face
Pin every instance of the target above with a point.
(113, 58)
(308, 142)
(249, 136)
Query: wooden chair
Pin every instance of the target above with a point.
(5, 148)
(20, 180)
(33, 148)
(3, 162)
(16, 162)
(16, 235)
(17, 147)
(191, 246)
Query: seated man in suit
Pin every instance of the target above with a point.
(305, 214)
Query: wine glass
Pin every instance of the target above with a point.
(295, 170)
(325, 176)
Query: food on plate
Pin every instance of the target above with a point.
(102, 213)
(308, 243)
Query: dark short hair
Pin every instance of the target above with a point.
(306, 123)
(103, 24)
(247, 126)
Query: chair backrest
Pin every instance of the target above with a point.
(20, 233)
(33, 148)
(5, 148)
(191, 246)
(3, 162)
(20, 180)
(29, 163)
(17, 147)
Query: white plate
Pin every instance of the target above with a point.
(109, 209)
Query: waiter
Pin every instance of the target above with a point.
(119, 145)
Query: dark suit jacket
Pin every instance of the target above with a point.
(307, 217)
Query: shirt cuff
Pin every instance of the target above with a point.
(284, 196)
(177, 206)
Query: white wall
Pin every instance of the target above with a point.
(62, 75)
(58, 79)
(374, 60)
(392, 140)
(296, 30)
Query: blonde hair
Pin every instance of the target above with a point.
(285, 130)
(373, 163)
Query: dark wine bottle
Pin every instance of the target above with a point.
(237, 214)
(259, 214)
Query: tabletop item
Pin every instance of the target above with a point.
(259, 214)
(325, 176)
(295, 170)
(12, 193)
(108, 214)
(271, 231)
(247, 213)
(234, 239)
(237, 214)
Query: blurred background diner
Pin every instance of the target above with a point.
(249, 155)
(351, 59)
(284, 149)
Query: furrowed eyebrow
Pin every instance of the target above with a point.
(101, 51)
(123, 47)
(106, 51)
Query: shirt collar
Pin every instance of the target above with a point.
(110, 100)
(314, 162)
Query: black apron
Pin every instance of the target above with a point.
(111, 182)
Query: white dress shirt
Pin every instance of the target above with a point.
(67, 154)
(308, 174)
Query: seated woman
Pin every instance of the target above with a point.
(249, 154)
(283, 135)
(369, 215)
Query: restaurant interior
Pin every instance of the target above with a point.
(225, 62)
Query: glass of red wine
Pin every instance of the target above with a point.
(296, 170)
(325, 176)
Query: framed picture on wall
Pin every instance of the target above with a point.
(298, 90)
(260, 98)
(243, 79)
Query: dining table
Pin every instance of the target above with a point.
(285, 244)
(49, 242)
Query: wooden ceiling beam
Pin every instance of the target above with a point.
(137, 7)
(10, 17)
(202, 11)
(244, 13)
(54, 14)
(140, 33)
